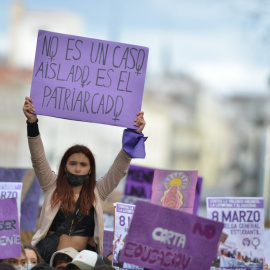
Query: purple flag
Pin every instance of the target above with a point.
(174, 189)
(197, 195)
(88, 79)
(10, 246)
(162, 238)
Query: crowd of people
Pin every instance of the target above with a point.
(70, 230)
(66, 258)
(238, 255)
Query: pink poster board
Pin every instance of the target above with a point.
(174, 189)
(88, 79)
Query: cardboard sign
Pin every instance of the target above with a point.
(174, 189)
(10, 243)
(30, 194)
(88, 79)
(138, 184)
(11, 190)
(243, 220)
(122, 219)
(162, 238)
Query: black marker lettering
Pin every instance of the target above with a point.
(66, 97)
(46, 94)
(85, 100)
(92, 104)
(117, 47)
(107, 110)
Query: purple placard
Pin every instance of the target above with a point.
(174, 189)
(107, 243)
(243, 219)
(122, 218)
(30, 205)
(88, 79)
(139, 182)
(162, 238)
(10, 242)
(197, 195)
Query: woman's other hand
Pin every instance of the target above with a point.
(140, 122)
(28, 110)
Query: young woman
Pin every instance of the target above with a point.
(81, 226)
(32, 257)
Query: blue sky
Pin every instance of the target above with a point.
(218, 42)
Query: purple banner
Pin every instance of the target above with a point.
(10, 243)
(174, 189)
(88, 79)
(30, 204)
(162, 238)
(107, 243)
(197, 195)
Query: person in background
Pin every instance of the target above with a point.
(118, 245)
(17, 262)
(5, 266)
(103, 267)
(239, 256)
(79, 226)
(42, 266)
(62, 257)
(234, 254)
(85, 260)
(107, 261)
(32, 257)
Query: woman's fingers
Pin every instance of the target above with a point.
(139, 121)
(29, 110)
(28, 105)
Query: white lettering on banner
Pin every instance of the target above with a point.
(13, 239)
(8, 194)
(169, 237)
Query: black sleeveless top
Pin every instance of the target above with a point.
(81, 224)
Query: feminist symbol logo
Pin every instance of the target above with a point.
(256, 242)
(174, 183)
(246, 242)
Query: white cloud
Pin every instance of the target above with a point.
(232, 76)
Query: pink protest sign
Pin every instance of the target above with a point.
(10, 246)
(174, 189)
(162, 238)
(88, 79)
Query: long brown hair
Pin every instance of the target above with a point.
(64, 194)
(39, 258)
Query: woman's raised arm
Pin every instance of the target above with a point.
(28, 110)
(40, 163)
